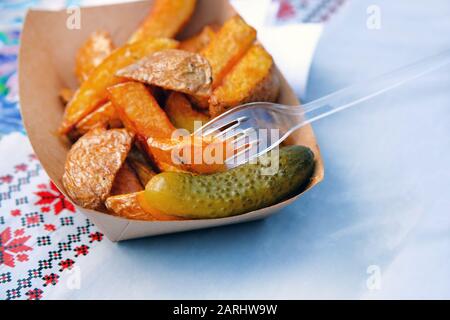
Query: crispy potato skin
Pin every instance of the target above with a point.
(173, 69)
(181, 113)
(98, 46)
(141, 114)
(228, 46)
(129, 206)
(92, 92)
(253, 78)
(92, 164)
(105, 116)
(199, 41)
(126, 181)
(166, 19)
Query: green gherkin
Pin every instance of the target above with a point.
(233, 192)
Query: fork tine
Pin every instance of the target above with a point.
(224, 132)
(239, 133)
(234, 123)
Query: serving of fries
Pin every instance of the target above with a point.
(131, 98)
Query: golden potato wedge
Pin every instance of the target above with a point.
(143, 171)
(173, 69)
(166, 19)
(197, 155)
(181, 114)
(92, 92)
(253, 78)
(139, 111)
(140, 165)
(92, 164)
(129, 206)
(66, 94)
(126, 181)
(199, 41)
(230, 43)
(105, 116)
(141, 114)
(98, 46)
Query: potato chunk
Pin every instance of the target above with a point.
(253, 78)
(141, 166)
(105, 116)
(126, 181)
(166, 19)
(141, 114)
(92, 164)
(98, 46)
(228, 46)
(175, 70)
(127, 206)
(181, 113)
(199, 41)
(92, 92)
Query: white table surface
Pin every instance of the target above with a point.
(385, 201)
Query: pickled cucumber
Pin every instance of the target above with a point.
(233, 192)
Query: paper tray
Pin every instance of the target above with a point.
(46, 65)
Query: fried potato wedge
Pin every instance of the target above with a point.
(105, 116)
(98, 46)
(253, 78)
(166, 19)
(140, 165)
(173, 69)
(129, 206)
(199, 41)
(143, 171)
(141, 114)
(181, 113)
(126, 181)
(139, 110)
(66, 94)
(228, 46)
(92, 164)
(194, 154)
(92, 92)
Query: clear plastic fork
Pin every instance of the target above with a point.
(254, 129)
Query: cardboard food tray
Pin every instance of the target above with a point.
(46, 65)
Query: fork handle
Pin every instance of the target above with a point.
(353, 95)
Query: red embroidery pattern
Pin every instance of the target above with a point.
(11, 246)
(32, 254)
(53, 196)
